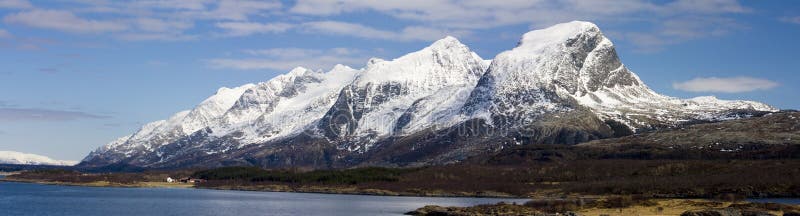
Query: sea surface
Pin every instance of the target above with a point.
(37, 199)
(790, 201)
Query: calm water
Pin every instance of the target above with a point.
(790, 201)
(35, 199)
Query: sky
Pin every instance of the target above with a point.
(76, 74)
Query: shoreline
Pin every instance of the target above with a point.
(4, 174)
(691, 207)
(364, 192)
(337, 190)
(283, 189)
(662, 206)
(100, 184)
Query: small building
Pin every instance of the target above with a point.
(170, 179)
(191, 180)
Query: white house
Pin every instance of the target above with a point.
(170, 180)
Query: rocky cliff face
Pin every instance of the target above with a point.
(561, 85)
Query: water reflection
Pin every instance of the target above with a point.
(34, 199)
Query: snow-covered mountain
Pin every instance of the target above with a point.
(162, 132)
(283, 106)
(563, 84)
(402, 96)
(575, 61)
(12, 157)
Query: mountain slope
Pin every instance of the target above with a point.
(285, 105)
(402, 96)
(162, 132)
(773, 130)
(561, 85)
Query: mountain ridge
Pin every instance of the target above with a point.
(19, 158)
(563, 84)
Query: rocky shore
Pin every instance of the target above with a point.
(615, 206)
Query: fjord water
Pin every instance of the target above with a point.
(37, 199)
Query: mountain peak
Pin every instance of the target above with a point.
(575, 56)
(448, 42)
(339, 68)
(446, 58)
(297, 71)
(223, 99)
(223, 90)
(559, 33)
(373, 61)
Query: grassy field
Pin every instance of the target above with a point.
(653, 178)
(75, 178)
(489, 177)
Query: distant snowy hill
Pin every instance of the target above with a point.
(561, 85)
(11, 157)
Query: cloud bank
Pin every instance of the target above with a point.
(668, 22)
(725, 85)
(33, 114)
(63, 21)
(288, 58)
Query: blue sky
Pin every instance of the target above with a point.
(77, 74)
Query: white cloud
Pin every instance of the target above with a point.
(135, 29)
(158, 25)
(288, 58)
(795, 19)
(250, 28)
(487, 14)
(678, 30)
(155, 37)
(5, 34)
(411, 33)
(707, 7)
(172, 4)
(457, 14)
(237, 10)
(155, 29)
(62, 21)
(241, 9)
(725, 85)
(285, 53)
(163, 20)
(15, 4)
(428, 34)
(260, 63)
(697, 27)
(672, 22)
(35, 114)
